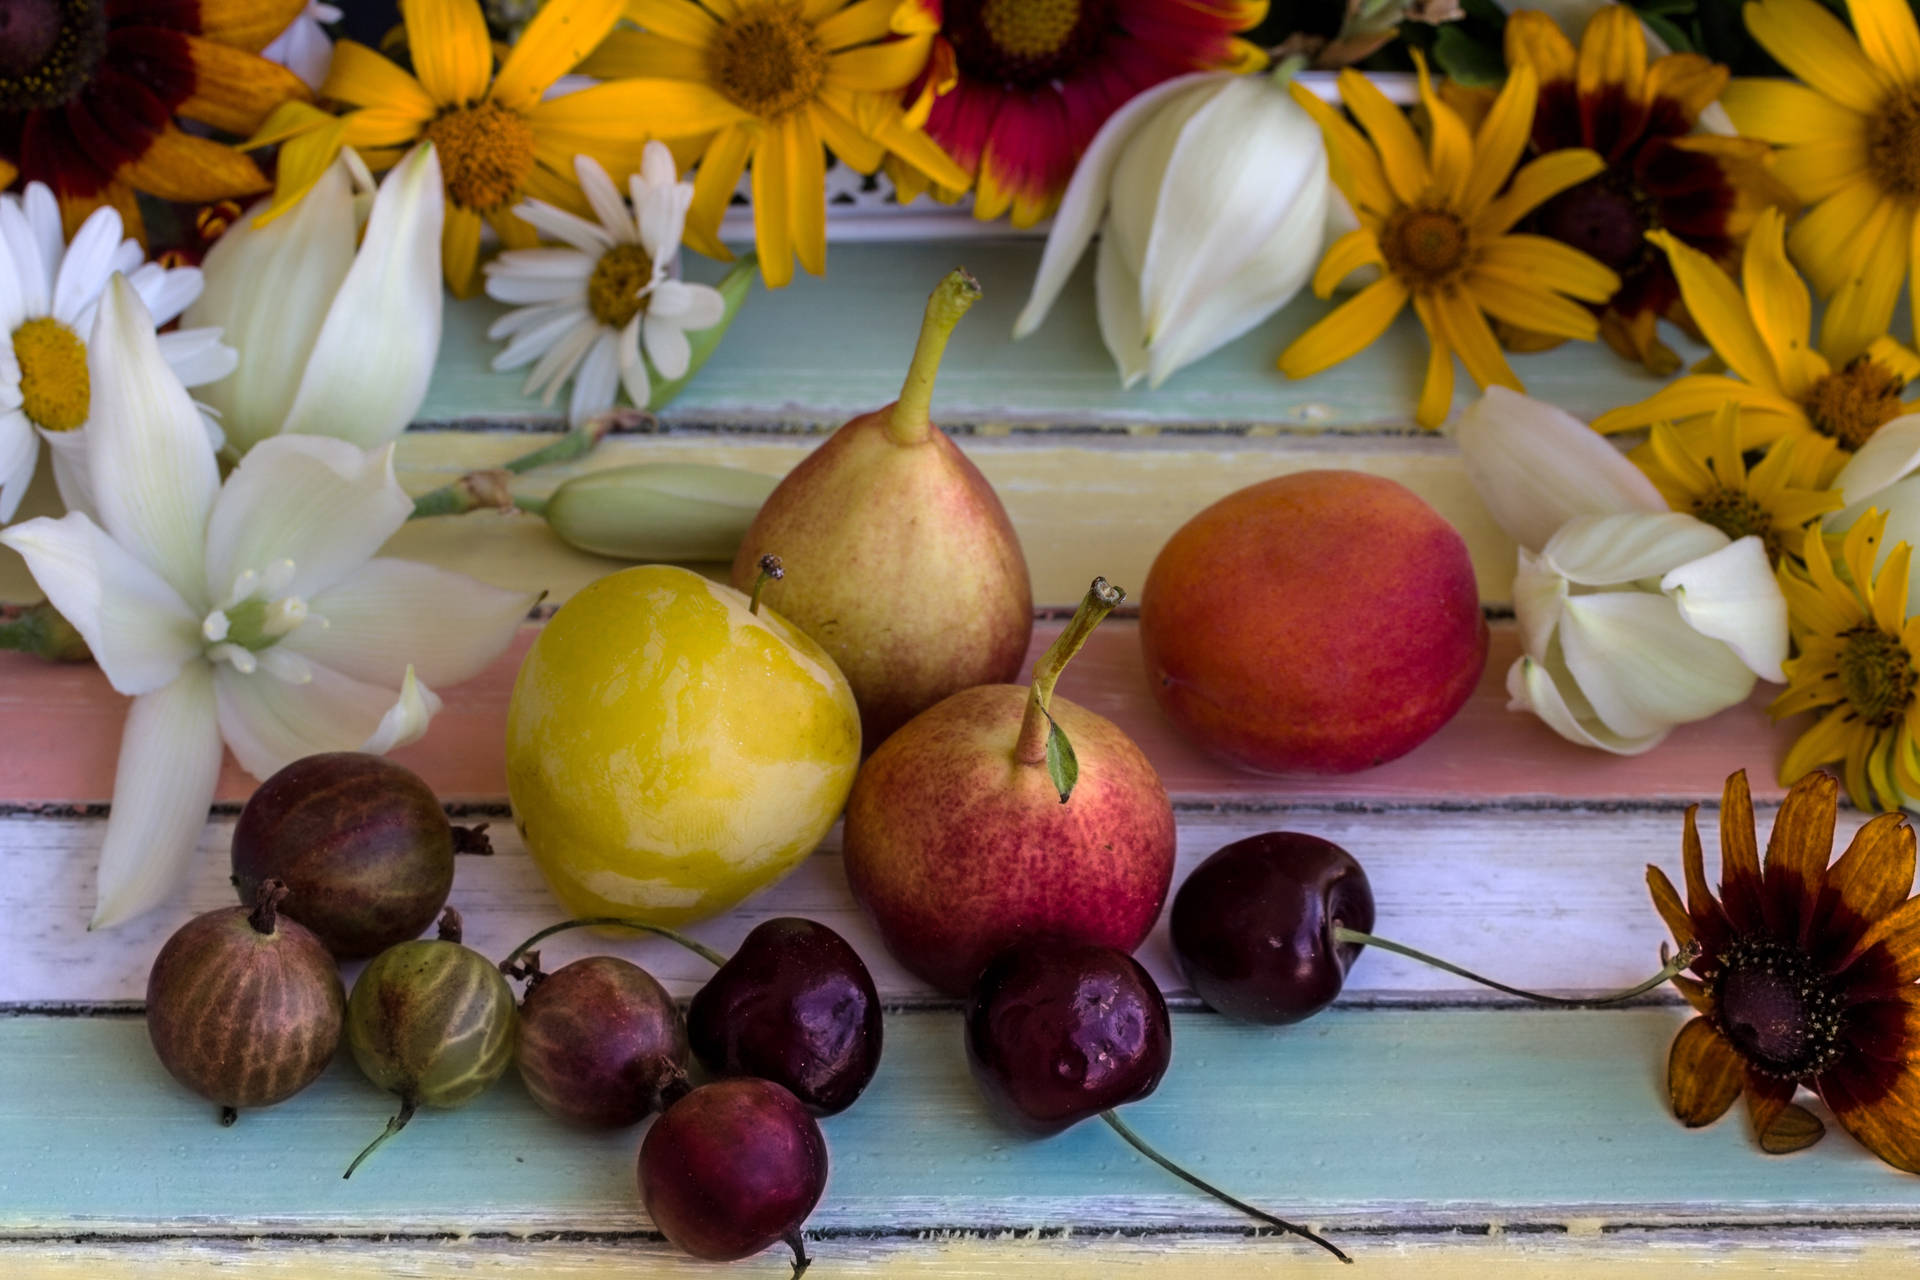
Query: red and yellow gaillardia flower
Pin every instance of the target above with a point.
(91, 92)
(1438, 222)
(1805, 976)
(773, 84)
(1660, 175)
(1019, 87)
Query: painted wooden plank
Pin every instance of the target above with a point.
(62, 727)
(1405, 1119)
(1550, 899)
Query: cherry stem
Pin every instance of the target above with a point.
(771, 570)
(265, 916)
(1670, 970)
(1141, 1145)
(798, 1243)
(700, 949)
(911, 421)
(394, 1126)
(1102, 598)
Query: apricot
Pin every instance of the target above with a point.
(1325, 621)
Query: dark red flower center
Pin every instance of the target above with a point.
(1607, 217)
(48, 50)
(1026, 43)
(1776, 1008)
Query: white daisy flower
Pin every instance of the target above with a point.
(586, 311)
(303, 48)
(49, 292)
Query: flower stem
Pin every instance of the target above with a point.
(394, 1126)
(40, 630)
(700, 949)
(1686, 956)
(911, 421)
(487, 488)
(1102, 598)
(1140, 1144)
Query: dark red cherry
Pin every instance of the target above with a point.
(600, 1042)
(795, 1005)
(1253, 925)
(1061, 1031)
(732, 1168)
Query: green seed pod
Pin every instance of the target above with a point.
(650, 511)
(432, 1022)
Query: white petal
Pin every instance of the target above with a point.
(667, 347)
(689, 306)
(1889, 456)
(269, 723)
(523, 276)
(167, 291)
(1537, 466)
(556, 321)
(1642, 667)
(391, 614)
(1117, 300)
(269, 289)
(1604, 551)
(162, 789)
(323, 504)
(1732, 596)
(303, 48)
(19, 453)
(154, 478)
(588, 237)
(197, 356)
(140, 630)
(603, 197)
(49, 229)
(598, 380)
(633, 369)
(1538, 596)
(26, 286)
(407, 719)
(72, 470)
(89, 260)
(656, 165)
(1551, 694)
(1085, 201)
(374, 357)
(554, 368)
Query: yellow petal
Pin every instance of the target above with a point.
(560, 35)
(362, 78)
(867, 20)
(890, 129)
(1862, 306)
(1902, 359)
(1393, 138)
(1552, 265)
(1613, 52)
(610, 110)
(1688, 79)
(1358, 248)
(1468, 333)
(1890, 589)
(179, 166)
(1533, 186)
(1679, 461)
(1813, 173)
(1887, 34)
(1352, 162)
(1826, 242)
(460, 251)
(234, 90)
(1436, 388)
(1785, 112)
(1450, 145)
(303, 158)
(1782, 312)
(379, 127)
(1522, 300)
(1534, 39)
(1348, 329)
(878, 67)
(853, 147)
(714, 184)
(1814, 45)
(806, 190)
(678, 19)
(772, 216)
(452, 53)
(1825, 742)
(1503, 135)
(627, 54)
(1718, 308)
(1697, 394)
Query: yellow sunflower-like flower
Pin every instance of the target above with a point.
(1775, 500)
(1851, 138)
(1856, 665)
(498, 141)
(1441, 234)
(1846, 390)
(768, 82)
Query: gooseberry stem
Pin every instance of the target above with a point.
(265, 916)
(771, 570)
(395, 1125)
(798, 1243)
(489, 489)
(1102, 598)
(1686, 956)
(911, 421)
(1141, 1145)
(700, 949)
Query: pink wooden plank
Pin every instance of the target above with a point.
(60, 731)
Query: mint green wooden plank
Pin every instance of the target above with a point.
(823, 349)
(1436, 1116)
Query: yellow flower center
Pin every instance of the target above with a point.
(1425, 247)
(48, 50)
(55, 391)
(769, 60)
(1893, 142)
(1853, 403)
(486, 154)
(1030, 28)
(613, 291)
(1735, 513)
(1877, 674)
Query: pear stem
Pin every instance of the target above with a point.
(1686, 956)
(911, 421)
(1102, 598)
(700, 949)
(1141, 1145)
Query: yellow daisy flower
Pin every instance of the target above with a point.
(1851, 135)
(1440, 233)
(1775, 500)
(766, 83)
(1784, 387)
(1856, 665)
(497, 140)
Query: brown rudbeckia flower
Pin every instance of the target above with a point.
(1805, 977)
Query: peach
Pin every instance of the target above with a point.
(1325, 621)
